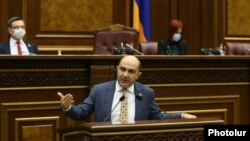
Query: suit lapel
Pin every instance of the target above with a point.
(108, 98)
(138, 104)
(29, 47)
(7, 48)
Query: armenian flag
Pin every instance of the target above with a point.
(141, 18)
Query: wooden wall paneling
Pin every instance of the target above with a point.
(180, 81)
(75, 28)
(3, 19)
(33, 132)
(214, 89)
(236, 20)
(34, 83)
(199, 24)
(46, 28)
(15, 8)
(100, 69)
(99, 74)
(221, 20)
(215, 39)
(199, 21)
(205, 18)
(193, 91)
(160, 15)
(185, 76)
(174, 9)
(190, 14)
(208, 26)
(225, 107)
(21, 121)
(9, 9)
(41, 78)
(12, 96)
(122, 12)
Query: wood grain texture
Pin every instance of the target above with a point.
(238, 17)
(77, 15)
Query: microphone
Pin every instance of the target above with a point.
(122, 45)
(120, 100)
(169, 52)
(137, 51)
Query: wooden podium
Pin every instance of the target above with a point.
(149, 130)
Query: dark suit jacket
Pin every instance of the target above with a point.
(101, 98)
(169, 47)
(5, 47)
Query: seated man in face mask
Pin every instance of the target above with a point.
(173, 44)
(16, 45)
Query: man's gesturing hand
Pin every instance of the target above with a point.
(66, 100)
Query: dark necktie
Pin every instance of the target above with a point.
(19, 50)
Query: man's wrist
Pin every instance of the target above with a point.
(65, 110)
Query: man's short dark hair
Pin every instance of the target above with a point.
(11, 20)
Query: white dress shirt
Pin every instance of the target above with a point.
(13, 47)
(115, 115)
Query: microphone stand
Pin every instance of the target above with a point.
(137, 51)
(120, 100)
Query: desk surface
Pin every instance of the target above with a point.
(145, 125)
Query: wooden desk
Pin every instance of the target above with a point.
(207, 86)
(150, 130)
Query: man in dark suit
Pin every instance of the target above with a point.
(108, 96)
(16, 45)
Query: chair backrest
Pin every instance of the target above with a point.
(109, 38)
(236, 48)
(149, 48)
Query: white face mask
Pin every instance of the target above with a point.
(176, 37)
(18, 33)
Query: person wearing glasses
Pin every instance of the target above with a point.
(107, 102)
(173, 44)
(16, 45)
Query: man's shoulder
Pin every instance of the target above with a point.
(143, 87)
(4, 43)
(105, 84)
(28, 43)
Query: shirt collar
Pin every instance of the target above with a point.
(13, 41)
(119, 88)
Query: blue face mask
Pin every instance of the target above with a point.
(176, 37)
